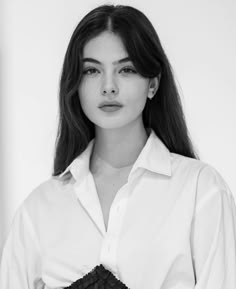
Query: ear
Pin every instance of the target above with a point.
(153, 86)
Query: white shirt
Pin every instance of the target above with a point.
(171, 226)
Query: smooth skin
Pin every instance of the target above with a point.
(119, 135)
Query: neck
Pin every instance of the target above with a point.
(117, 148)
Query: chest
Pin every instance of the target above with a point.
(107, 188)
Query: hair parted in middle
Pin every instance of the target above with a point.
(164, 113)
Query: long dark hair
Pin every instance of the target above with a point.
(164, 113)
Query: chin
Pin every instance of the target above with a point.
(111, 124)
(114, 122)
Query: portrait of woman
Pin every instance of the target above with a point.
(129, 201)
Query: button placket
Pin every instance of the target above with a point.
(109, 248)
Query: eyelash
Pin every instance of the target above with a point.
(93, 69)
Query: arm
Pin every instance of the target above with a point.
(213, 236)
(20, 264)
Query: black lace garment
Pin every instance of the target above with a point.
(98, 278)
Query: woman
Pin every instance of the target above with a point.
(128, 191)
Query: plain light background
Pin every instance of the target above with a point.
(199, 38)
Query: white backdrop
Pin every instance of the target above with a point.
(199, 38)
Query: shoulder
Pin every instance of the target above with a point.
(203, 183)
(51, 193)
(183, 163)
(205, 175)
(43, 208)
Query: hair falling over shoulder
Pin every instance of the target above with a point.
(164, 113)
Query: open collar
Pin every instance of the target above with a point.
(154, 157)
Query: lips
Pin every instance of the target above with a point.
(110, 104)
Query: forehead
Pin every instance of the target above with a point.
(105, 46)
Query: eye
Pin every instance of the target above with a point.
(128, 70)
(90, 71)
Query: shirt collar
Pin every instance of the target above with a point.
(79, 167)
(154, 157)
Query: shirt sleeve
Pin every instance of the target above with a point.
(20, 263)
(213, 236)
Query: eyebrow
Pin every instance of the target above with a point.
(126, 59)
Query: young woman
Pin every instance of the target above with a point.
(128, 190)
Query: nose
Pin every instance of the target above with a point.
(110, 87)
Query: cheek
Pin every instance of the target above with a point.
(85, 105)
(86, 93)
(138, 96)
